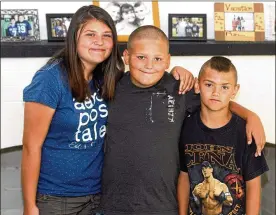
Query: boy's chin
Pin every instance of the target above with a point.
(144, 83)
(146, 80)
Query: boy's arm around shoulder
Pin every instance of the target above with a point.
(192, 101)
(186, 78)
(254, 126)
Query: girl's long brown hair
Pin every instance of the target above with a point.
(106, 74)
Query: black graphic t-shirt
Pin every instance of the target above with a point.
(218, 162)
(141, 163)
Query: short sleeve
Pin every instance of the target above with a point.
(192, 101)
(253, 166)
(183, 166)
(44, 88)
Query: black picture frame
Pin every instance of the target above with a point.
(185, 23)
(58, 32)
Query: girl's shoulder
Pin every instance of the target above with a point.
(54, 68)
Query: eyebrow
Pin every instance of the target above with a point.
(97, 32)
(215, 83)
(157, 55)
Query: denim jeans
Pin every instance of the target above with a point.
(58, 205)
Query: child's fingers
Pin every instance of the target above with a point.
(176, 75)
(183, 84)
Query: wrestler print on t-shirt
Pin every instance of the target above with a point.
(162, 107)
(92, 122)
(216, 184)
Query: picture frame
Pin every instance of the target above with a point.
(19, 25)
(187, 27)
(58, 25)
(129, 15)
(270, 22)
(239, 21)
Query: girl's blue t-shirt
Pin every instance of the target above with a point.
(72, 153)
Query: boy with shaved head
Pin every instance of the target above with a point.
(141, 163)
(141, 150)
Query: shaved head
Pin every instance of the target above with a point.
(148, 32)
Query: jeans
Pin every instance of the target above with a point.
(59, 205)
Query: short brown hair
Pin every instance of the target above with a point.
(220, 64)
(148, 32)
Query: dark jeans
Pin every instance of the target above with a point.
(57, 205)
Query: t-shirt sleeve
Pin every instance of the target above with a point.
(183, 166)
(192, 101)
(44, 88)
(253, 166)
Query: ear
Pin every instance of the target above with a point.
(236, 89)
(168, 61)
(197, 90)
(126, 57)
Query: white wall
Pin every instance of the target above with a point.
(256, 73)
(165, 7)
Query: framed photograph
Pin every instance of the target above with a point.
(189, 27)
(129, 15)
(58, 25)
(19, 25)
(270, 21)
(239, 22)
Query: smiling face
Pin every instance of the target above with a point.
(12, 22)
(147, 59)
(94, 43)
(140, 11)
(216, 89)
(128, 14)
(114, 12)
(21, 18)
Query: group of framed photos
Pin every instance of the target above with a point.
(233, 22)
(23, 25)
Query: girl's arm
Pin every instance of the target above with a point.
(183, 193)
(253, 196)
(37, 119)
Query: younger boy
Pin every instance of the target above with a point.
(217, 165)
(12, 29)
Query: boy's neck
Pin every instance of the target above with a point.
(215, 119)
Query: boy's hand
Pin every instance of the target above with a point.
(255, 129)
(186, 78)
